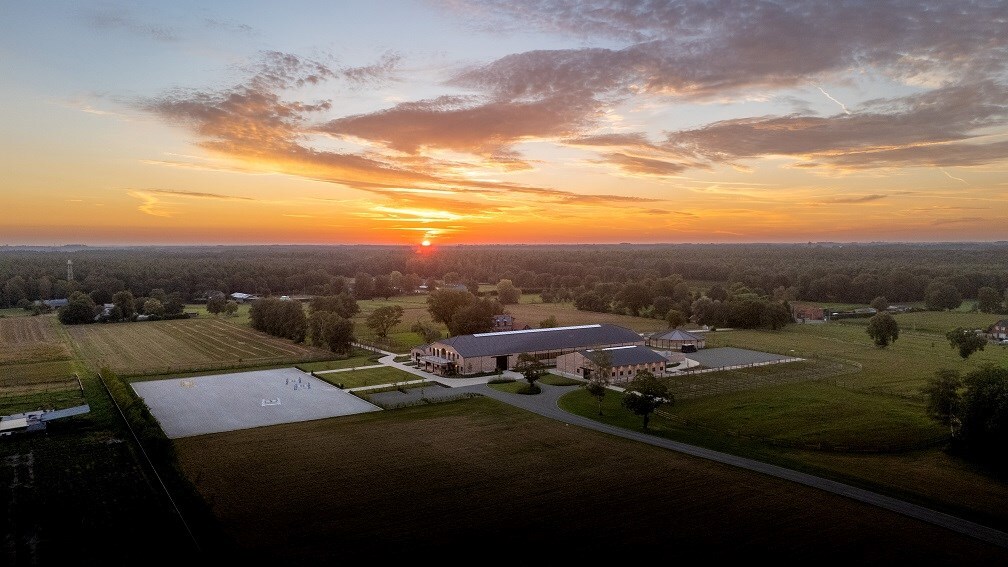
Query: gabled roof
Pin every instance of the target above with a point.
(626, 355)
(534, 340)
(677, 335)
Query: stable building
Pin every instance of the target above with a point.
(498, 351)
(677, 339)
(624, 362)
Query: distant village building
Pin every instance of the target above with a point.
(504, 322)
(239, 297)
(999, 330)
(498, 351)
(803, 313)
(624, 362)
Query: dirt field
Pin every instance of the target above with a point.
(157, 347)
(30, 339)
(476, 474)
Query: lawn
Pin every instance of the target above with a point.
(415, 480)
(184, 345)
(367, 377)
(360, 357)
(241, 317)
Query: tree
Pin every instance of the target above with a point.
(645, 394)
(880, 304)
(215, 305)
(634, 297)
(591, 301)
(988, 300)
(549, 322)
(337, 333)
(883, 329)
(941, 295)
(507, 293)
(383, 287)
(279, 318)
(230, 308)
(427, 331)
(675, 318)
(154, 308)
(966, 340)
(983, 411)
(943, 398)
(363, 285)
(126, 303)
(598, 380)
(531, 368)
(80, 309)
(444, 303)
(381, 320)
(342, 304)
(476, 317)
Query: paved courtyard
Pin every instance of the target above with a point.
(226, 402)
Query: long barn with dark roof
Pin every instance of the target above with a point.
(490, 352)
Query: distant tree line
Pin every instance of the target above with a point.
(939, 274)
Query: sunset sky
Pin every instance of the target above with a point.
(502, 122)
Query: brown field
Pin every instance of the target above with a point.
(159, 347)
(477, 474)
(566, 314)
(531, 311)
(30, 339)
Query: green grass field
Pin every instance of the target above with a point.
(241, 317)
(360, 357)
(367, 377)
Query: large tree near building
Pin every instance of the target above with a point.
(216, 304)
(382, 320)
(598, 382)
(988, 300)
(126, 303)
(80, 309)
(427, 331)
(507, 292)
(476, 317)
(966, 340)
(645, 394)
(532, 369)
(883, 329)
(444, 303)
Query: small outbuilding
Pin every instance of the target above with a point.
(676, 339)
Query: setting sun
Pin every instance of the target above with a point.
(425, 243)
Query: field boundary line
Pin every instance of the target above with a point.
(150, 463)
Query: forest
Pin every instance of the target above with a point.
(625, 277)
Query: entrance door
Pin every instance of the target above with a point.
(502, 362)
(586, 373)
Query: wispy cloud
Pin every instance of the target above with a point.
(119, 17)
(197, 195)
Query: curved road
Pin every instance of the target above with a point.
(546, 404)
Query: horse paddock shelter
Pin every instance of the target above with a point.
(226, 402)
